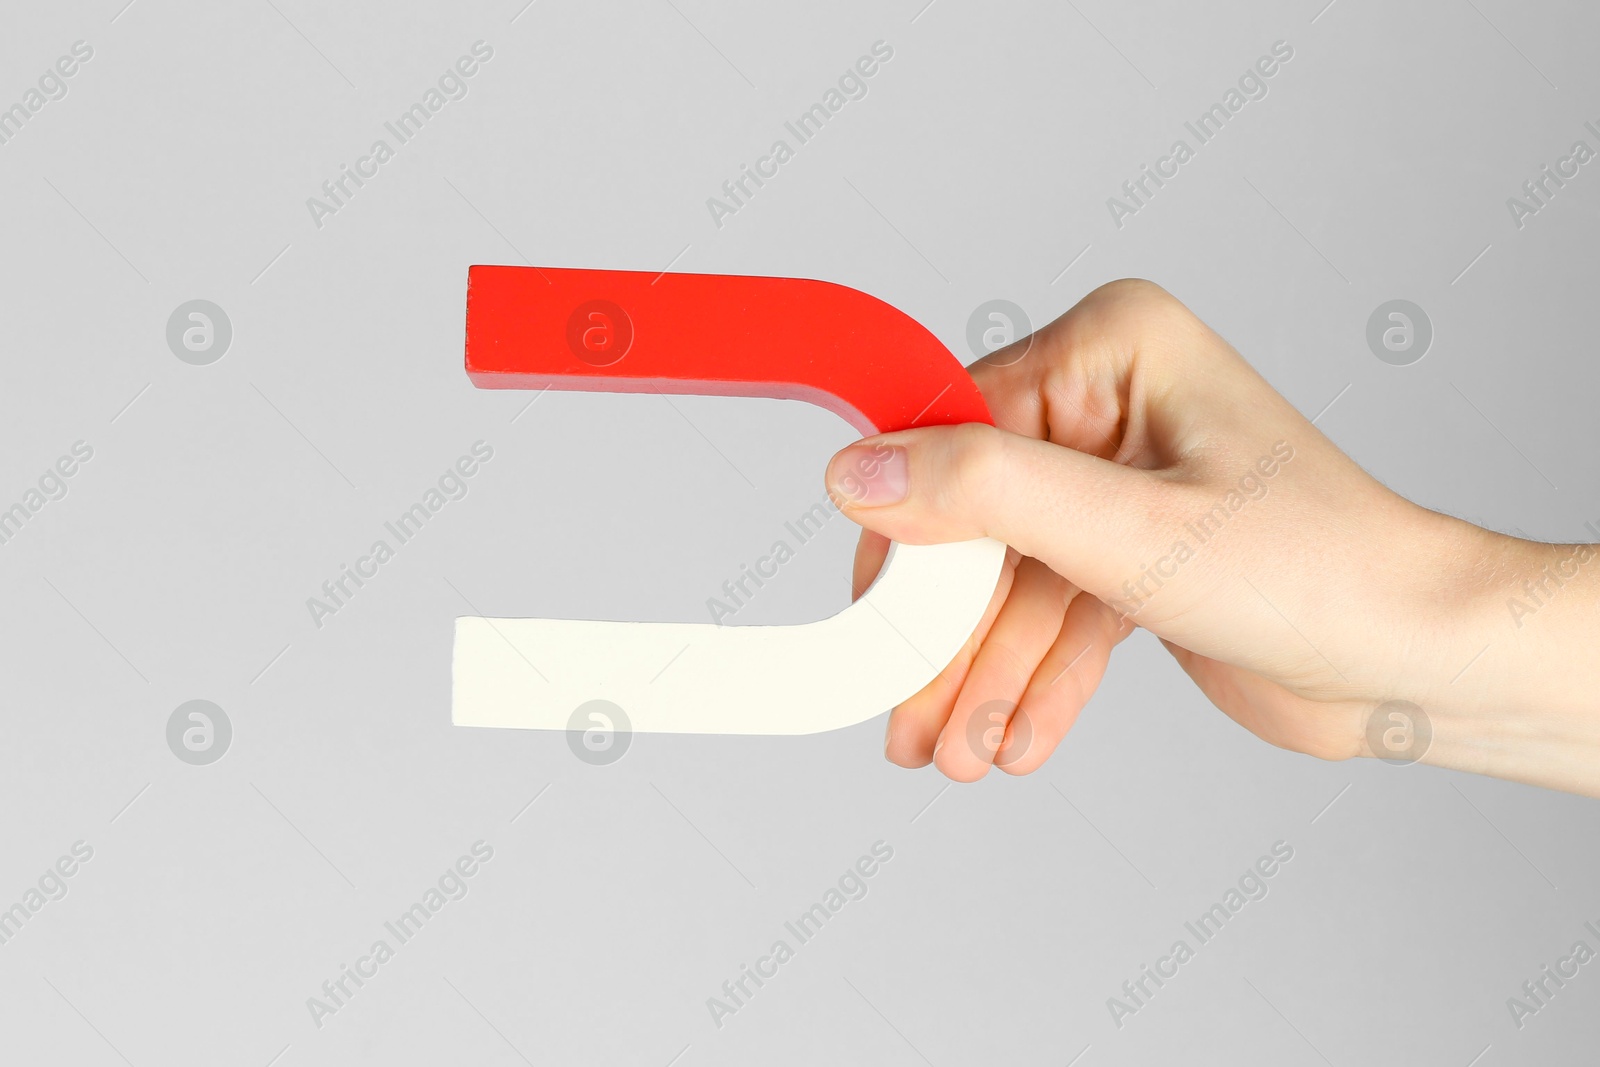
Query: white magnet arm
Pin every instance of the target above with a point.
(708, 678)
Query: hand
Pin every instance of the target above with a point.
(1143, 474)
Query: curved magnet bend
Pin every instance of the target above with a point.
(793, 339)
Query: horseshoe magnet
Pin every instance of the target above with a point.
(720, 335)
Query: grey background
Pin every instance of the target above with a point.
(220, 497)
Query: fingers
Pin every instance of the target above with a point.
(915, 724)
(871, 550)
(1074, 380)
(1062, 684)
(1021, 635)
(1017, 688)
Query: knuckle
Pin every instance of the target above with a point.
(1136, 294)
(1134, 289)
(1139, 304)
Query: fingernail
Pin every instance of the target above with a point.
(871, 476)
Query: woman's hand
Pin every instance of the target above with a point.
(1144, 474)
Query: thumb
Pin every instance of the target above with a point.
(1092, 521)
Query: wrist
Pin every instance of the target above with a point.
(1511, 692)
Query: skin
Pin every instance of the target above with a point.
(1305, 596)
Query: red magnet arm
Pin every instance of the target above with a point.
(722, 335)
